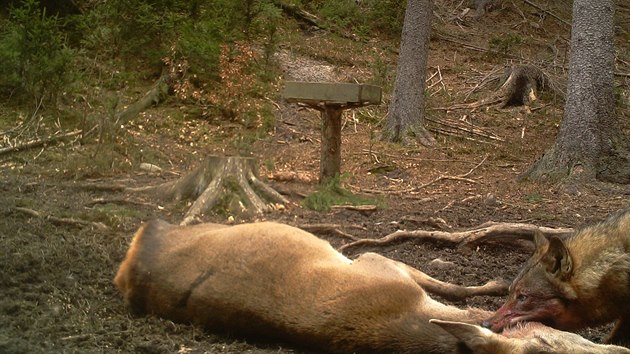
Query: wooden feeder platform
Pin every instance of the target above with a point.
(331, 99)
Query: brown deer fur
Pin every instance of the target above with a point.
(274, 281)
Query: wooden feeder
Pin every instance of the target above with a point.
(331, 99)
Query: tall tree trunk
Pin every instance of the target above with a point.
(406, 110)
(588, 140)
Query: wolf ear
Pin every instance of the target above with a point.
(540, 241)
(557, 259)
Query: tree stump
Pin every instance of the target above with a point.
(520, 86)
(523, 84)
(228, 180)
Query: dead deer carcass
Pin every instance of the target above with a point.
(274, 281)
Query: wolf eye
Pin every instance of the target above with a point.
(521, 297)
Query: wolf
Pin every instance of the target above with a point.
(581, 280)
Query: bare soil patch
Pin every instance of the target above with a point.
(56, 290)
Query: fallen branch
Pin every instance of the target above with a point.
(471, 105)
(364, 209)
(489, 197)
(462, 44)
(58, 220)
(24, 125)
(310, 19)
(292, 176)
(440, 80)
(299, 14)
(491, 76)
(467, 128)
(39, 142)
(117, 201)
(459, 135)
(154, 96)
(412, 158)
(469, 46)
(488, 232)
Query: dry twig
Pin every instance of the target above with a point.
(471, 105)
(462, 177)
(58, 220)
(548, 12)
(465, 129)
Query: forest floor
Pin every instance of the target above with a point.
(56, 291)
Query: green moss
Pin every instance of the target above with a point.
(332, 193)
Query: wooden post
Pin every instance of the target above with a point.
(330, 162)
(331, 99)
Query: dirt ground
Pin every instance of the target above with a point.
(56, 291)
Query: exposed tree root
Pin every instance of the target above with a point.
(487, 232)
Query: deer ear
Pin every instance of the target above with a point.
(557, 259)
(475, 338)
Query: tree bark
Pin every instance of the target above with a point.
(406, 110)
(589, 143)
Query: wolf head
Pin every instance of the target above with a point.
(542, 291)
